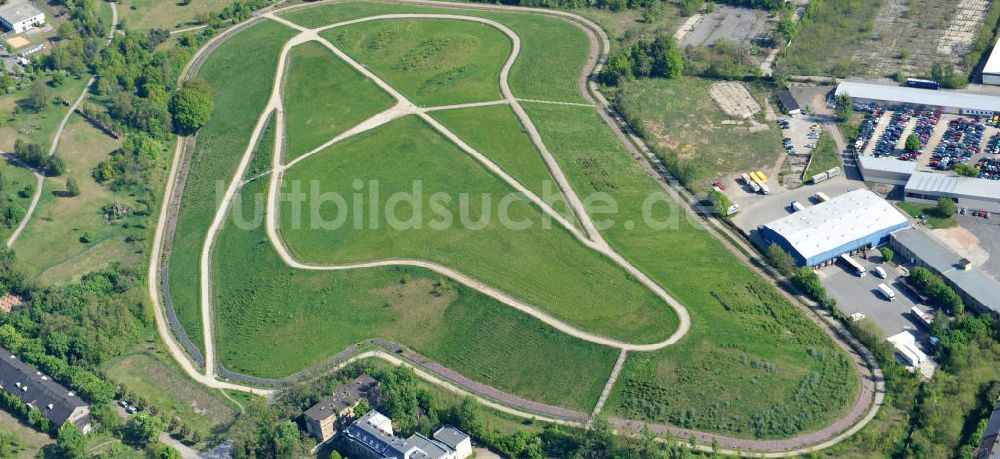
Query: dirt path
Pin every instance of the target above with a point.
(599, 45)
(402, 108)
(39, 177)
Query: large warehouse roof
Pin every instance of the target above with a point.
(966, 187)
(838, 222)
(18, 11)
(993, 63)
(916, 96)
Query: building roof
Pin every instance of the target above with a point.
(990, 447)
(344, 396)
(788, 101)
(54, 401)
(973, 282)
(887, 164)
(993, 63)
(846, 218)
(450, 436)
(918, 96)
(366, 433)
(967, 187)
(18, 11)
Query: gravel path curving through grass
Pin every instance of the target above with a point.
(599, 47)
(39, 176)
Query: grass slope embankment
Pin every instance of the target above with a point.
(323, 97)
(430, 61)
(282, 320)
(553, 50)
(495, 132)
(463, 217)
(752, 364)
(241, 73)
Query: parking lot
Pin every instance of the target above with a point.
(988, 233)
(946, 139)
(739, 25)
(860, 294)
(758, 210)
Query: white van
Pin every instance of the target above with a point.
(879, 272)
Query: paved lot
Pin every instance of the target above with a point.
(758, 209)
(860, 294)
(988, 232)
(739, 25)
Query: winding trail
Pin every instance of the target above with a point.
(405, 107)
(39, 176)
(590, 236)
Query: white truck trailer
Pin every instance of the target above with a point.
(887, 292)
(858, 269)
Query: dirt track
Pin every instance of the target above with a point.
(597, 54)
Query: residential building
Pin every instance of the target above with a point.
(20, 15)
(336, 410)
(58, 404)
(372, 437)
(989, 448)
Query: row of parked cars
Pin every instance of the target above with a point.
(989, 168)
(960, 143)
(128, 406)
(886, 145)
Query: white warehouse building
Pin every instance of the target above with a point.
(19, 15)
(968, 192)
(991, 71)
(954, 102)
(854, 221)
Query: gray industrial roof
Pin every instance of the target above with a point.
(975, 283)
(917, 96)
(968, 187)
(37, 389)
(887, 164)
(18, 11)
(837, 222)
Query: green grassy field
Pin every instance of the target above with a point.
(281, 320)
(324, 97)
(683, 122)
(752, 365)
(151, 374)
(151, 14)
(18, 187)
(29, 125)
(32, 442)
(935, 219)
(547, 268)
(709, 380)
(495, 132)
(51, 248)
(828, 35)
(824, 156)
(553, 50)
(430, 61)
(241, 73)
